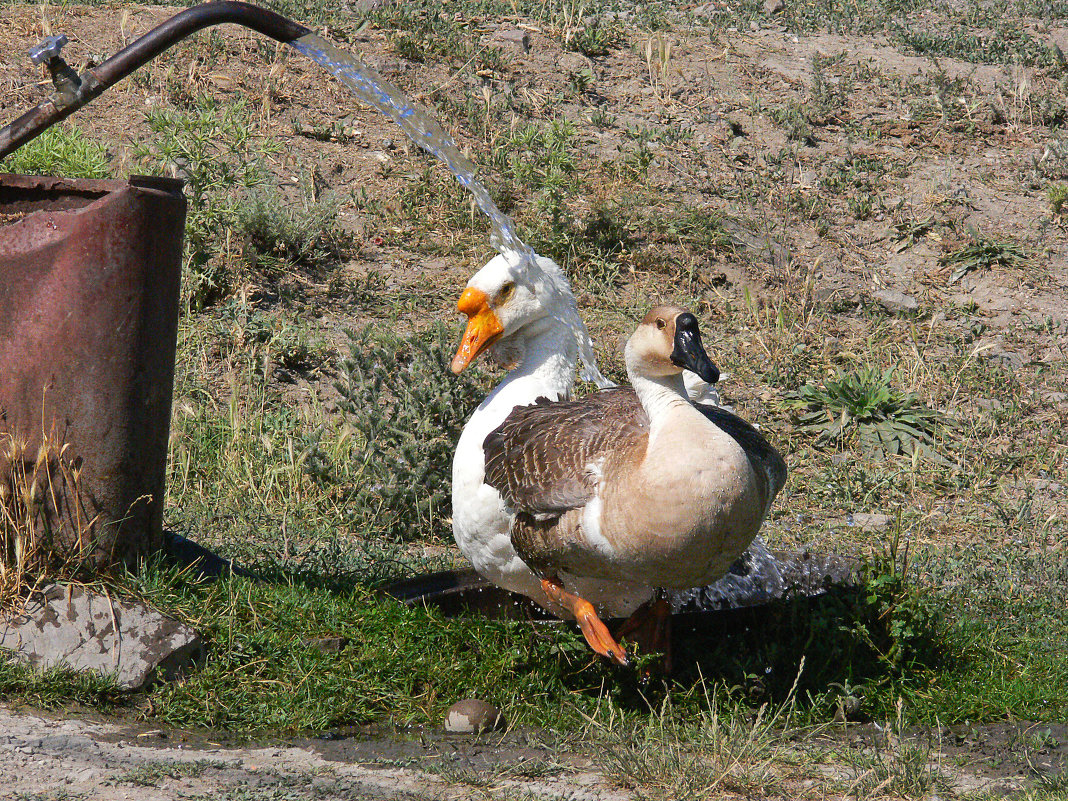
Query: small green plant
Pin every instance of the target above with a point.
(861, 205)
(793, 119)
(907, 232)
(150, 774)
(597, 39)
(580, 81)
(636, 162)
(1058, 196)
(277, 234)
(406, 414)
(602, 118)
(538, 157)
(981, 254)
(211, 146)
(694, 227)
(827, 97)
(61, 150)
(865, 408)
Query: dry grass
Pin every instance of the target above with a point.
(724, 749)
(46, 532)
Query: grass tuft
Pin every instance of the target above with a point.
(866, 409)
(46, 532)
(981, 254)
(61, 150)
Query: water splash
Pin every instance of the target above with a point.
(753, 579)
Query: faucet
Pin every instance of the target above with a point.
(64, 78)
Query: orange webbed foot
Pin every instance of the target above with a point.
(595, 632)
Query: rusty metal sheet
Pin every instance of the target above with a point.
(89, 291)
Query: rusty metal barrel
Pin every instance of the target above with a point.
(89, 291)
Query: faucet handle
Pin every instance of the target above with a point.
(48, 49)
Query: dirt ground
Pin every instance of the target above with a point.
(981, 170)
(72, 756)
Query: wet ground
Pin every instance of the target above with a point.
(45, 755)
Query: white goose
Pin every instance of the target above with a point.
(525, 315)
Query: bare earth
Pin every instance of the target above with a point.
(45, 756)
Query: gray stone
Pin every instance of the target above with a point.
(773, 6)
(871, 522)
(326, 645)
(892, 300)
(472, 715)
(88, 630)
(512, 38)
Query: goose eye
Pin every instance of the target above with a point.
(506, 292)
(660, 323)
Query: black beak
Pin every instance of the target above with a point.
(689, 354)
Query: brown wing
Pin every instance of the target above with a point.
(538, 457)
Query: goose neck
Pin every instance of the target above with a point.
(546, 368)
(661, 397)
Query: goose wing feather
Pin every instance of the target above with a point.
(540, 457)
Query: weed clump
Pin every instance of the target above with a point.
(276, 235)
(865, 408)
(406, 412)
(596, 39)
(981, 254)
(1058, 196)
(61, 150)
(212, 148)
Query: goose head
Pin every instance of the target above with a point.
(668, 341)
(511, 299)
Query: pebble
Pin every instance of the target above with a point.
(472, 715)
(514, 38)
(895, 301)
(326, 645)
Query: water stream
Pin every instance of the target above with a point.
(375, 91)
(380, 94)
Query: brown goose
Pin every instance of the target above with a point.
(636, 486)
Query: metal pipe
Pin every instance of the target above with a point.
(95, 80)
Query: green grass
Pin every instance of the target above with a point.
(151, 773)
(1058, 196)
(63, 150)
(982, 253)
(1006, 44)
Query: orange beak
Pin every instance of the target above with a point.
(483, 328)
